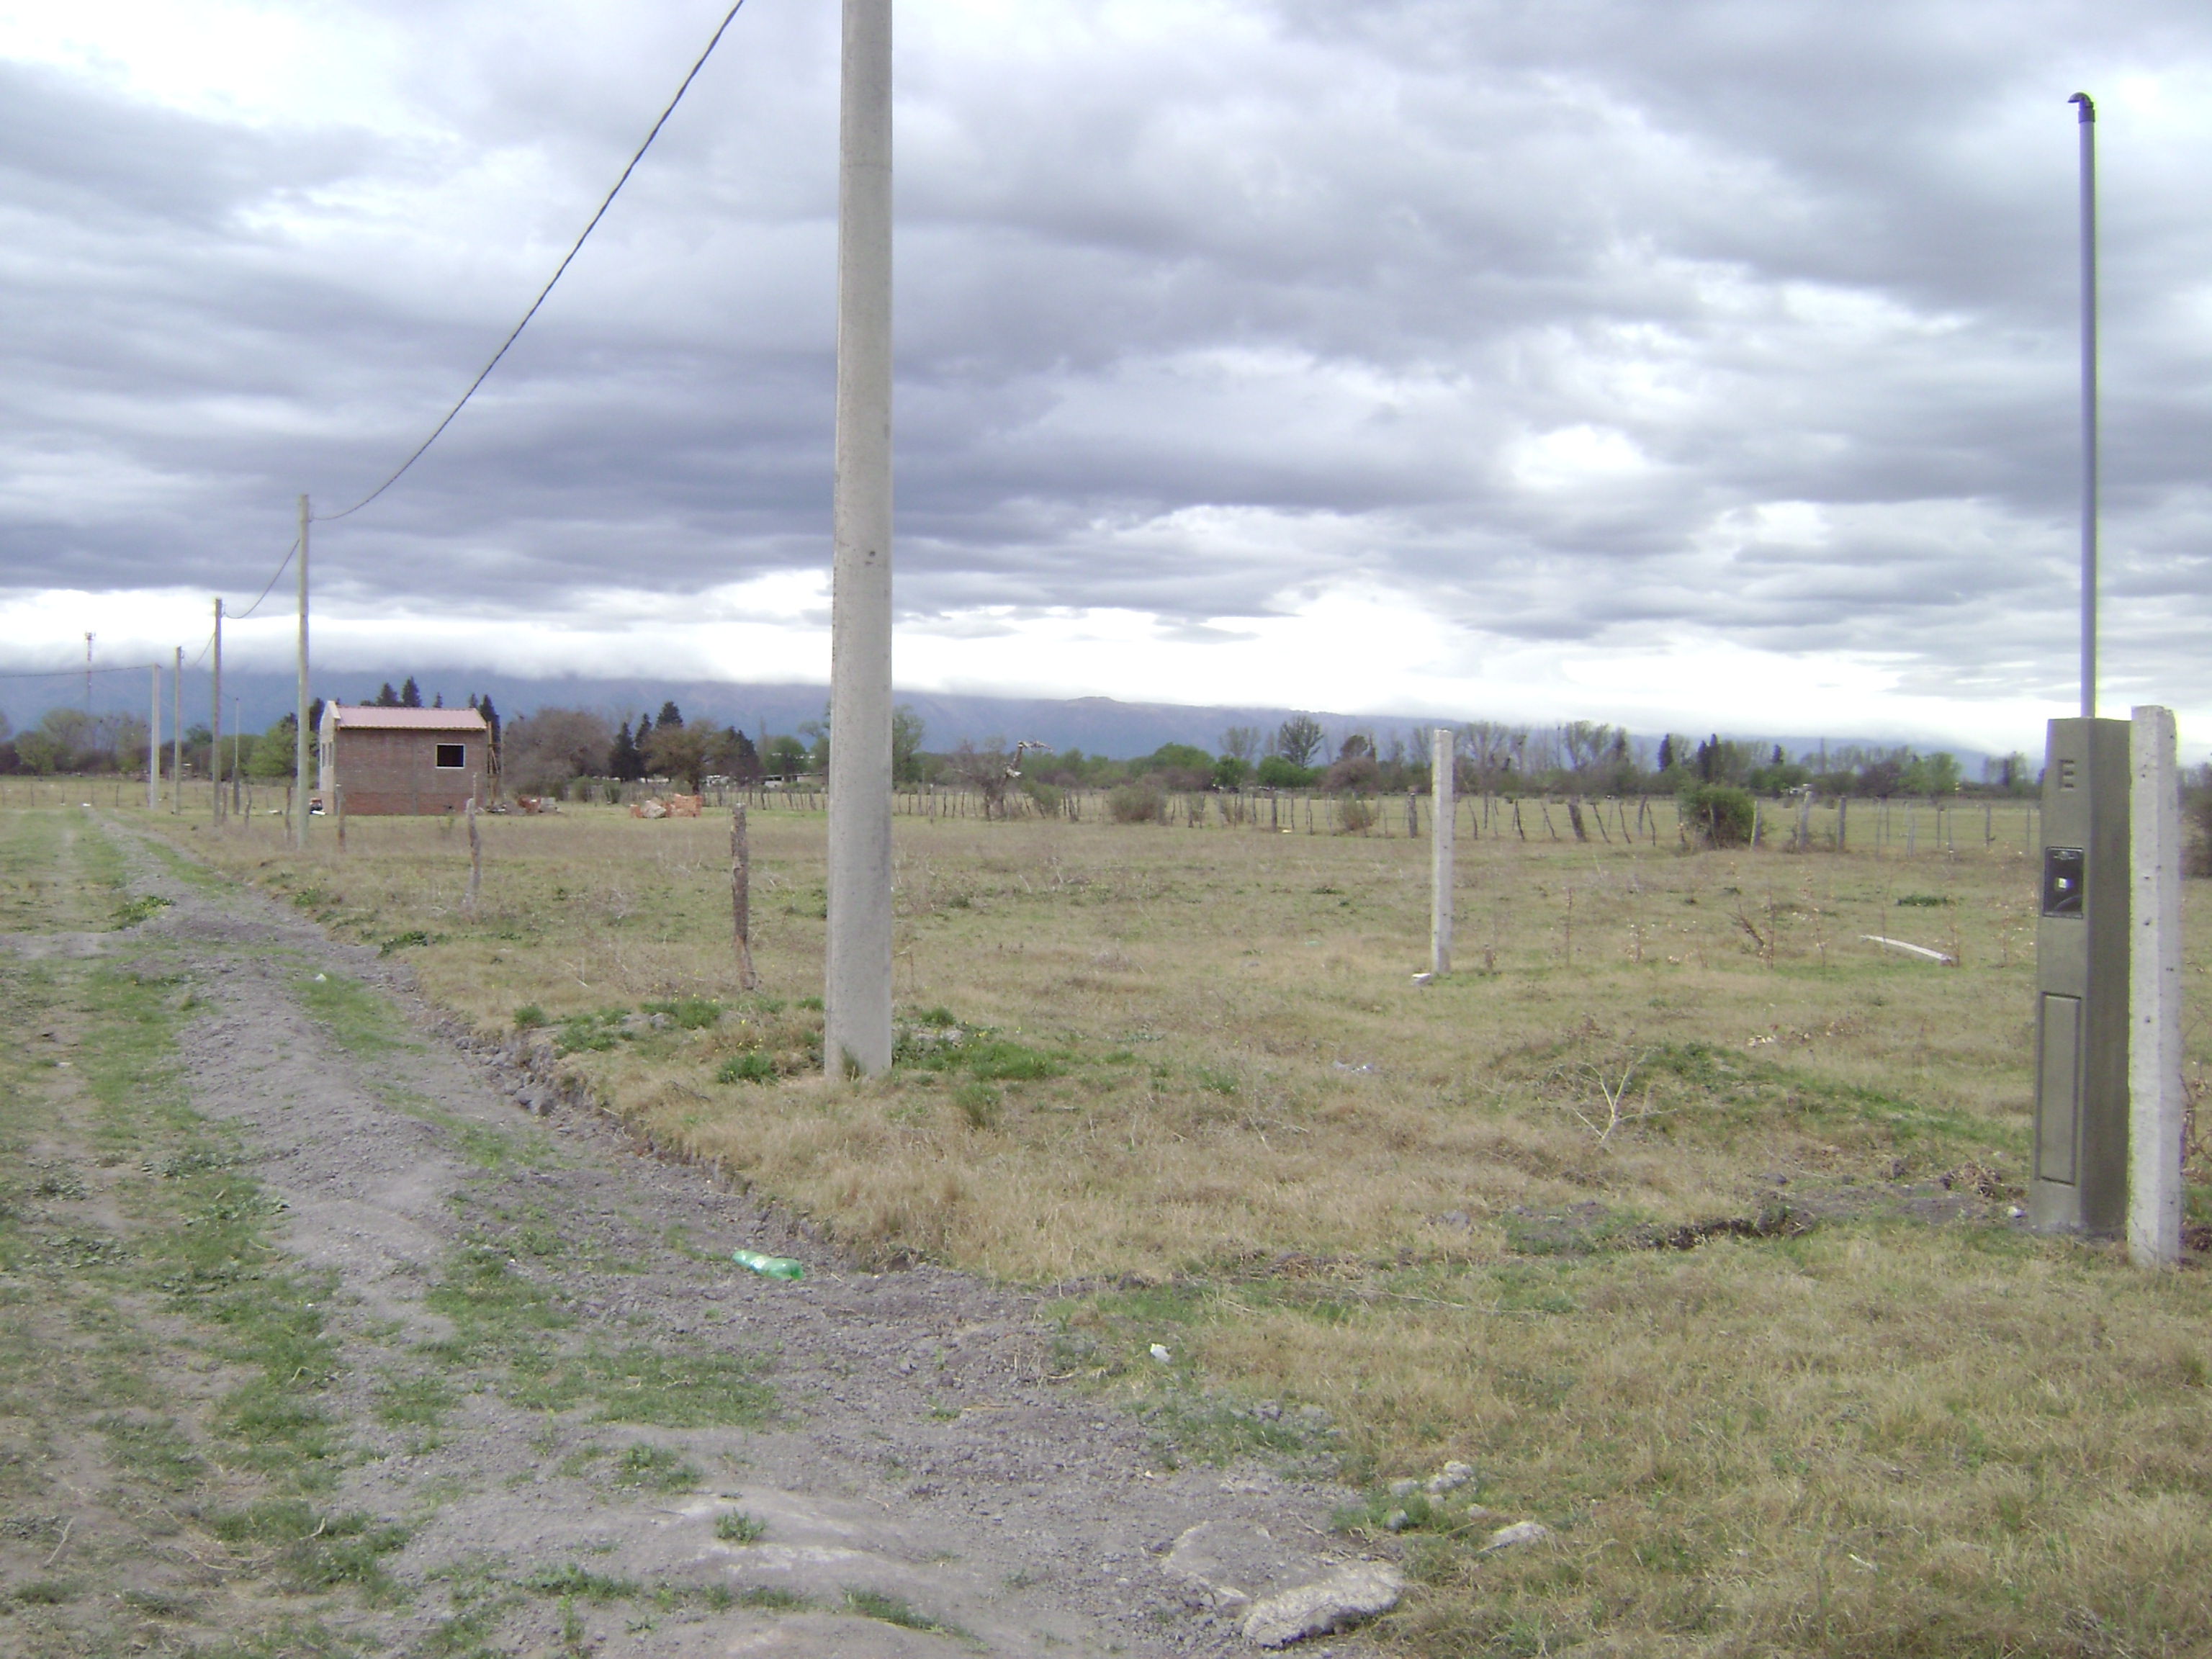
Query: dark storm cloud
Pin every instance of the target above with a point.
(1550, 313)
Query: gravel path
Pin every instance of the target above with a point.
(898, 1473)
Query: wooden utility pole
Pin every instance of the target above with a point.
(857, 977)
(741, 898)
(300, 734)
(215, 724)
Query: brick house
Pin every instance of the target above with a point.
(402, 760)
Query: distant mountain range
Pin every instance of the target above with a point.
(1098, 726)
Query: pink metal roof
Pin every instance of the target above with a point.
(363, 716)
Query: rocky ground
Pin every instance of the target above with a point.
(559, 1419)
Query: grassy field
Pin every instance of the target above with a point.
(1678, 1212)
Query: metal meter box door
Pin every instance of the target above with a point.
(2080, 1182)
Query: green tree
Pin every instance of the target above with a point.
(37, 751)
(786, 757)
(679, 752)
(1281, 772)
(272, 755)
(623, 762)
(1938, 773)
(906, 745)
(1298, 738)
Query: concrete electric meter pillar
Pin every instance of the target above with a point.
(2082, 940)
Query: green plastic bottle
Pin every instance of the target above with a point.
(768, 1266)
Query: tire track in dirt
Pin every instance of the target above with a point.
(554, 1376)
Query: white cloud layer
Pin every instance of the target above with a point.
(1672, 365)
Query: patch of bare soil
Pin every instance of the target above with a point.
(601, 1435)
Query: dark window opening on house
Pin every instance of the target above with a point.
(452, 757)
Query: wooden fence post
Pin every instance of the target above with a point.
(476, 859)
(741, 898)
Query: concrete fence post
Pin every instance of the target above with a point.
(2156, 1102)
(1443, 820)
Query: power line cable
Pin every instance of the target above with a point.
(240, 616)
(574, 251)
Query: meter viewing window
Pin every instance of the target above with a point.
(2063, 868)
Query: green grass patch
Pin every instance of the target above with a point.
(896, 1610)
(655, 1468)
(316, 1551)
(754, 1068)
(157, 1451)
(736, 1526)
(208, 1252)
(769, 1598)
(679, 1390)
(688, 1013)
(582, 1583)
(416, 1402)
(141, 909)
(359, 1019)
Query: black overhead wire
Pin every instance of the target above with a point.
(574, 251)
(240, 616)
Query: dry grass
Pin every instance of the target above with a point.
(1195, 1066)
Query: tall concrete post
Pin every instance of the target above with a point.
(176, 737)
(2086, 124)
(153, 737)
(214, 723)
(2156, 1099)
(300, 735)
(1442, 761)
(857, 982)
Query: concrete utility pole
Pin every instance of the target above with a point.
(154, 738)
(2087, 125)
(176, 737)
(857, 980)
(215, 724)
(2157, 1101)
(87, 676)
(1442, 760)
(300, 735)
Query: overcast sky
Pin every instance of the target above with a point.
(1683, 364)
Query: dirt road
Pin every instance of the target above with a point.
(321, 1343)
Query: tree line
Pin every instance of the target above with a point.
(554, 750)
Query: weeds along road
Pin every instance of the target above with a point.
(316, 1345)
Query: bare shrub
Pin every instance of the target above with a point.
(2196, 824)
(1357, 815)
(989, 771)
(1719, 814)
(1136, 803)
(541, 752)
